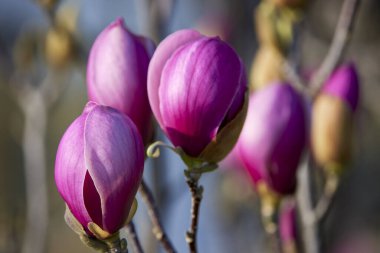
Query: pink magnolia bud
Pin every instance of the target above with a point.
(99, 166)
(288, 226)
(344, 84)
(196, 88)
(273, 137)
(117, 74)
(332, 119)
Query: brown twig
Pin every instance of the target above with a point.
(158, 229)
(196, 198)
(339, 44)
(135, 242)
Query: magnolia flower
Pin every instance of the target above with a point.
(196, 88)
(332, 118)
(99, 166)
(117, 74)
(273, 137)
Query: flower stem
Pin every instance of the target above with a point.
(135, 242)
(196, 198)
(158, 229)
(117, 246)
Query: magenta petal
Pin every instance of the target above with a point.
(290, 146)
(70, 170)
(117, 73)
(239, 97)
(163, 52)
(114, 155)
(344, 84)
(273, 136)
(287, 222)
(198, 85)
(92, 200)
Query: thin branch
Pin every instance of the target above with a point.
(158, 229)
(196, 198)
(135, 242)
(324, 203)
(295, 80)
(34, 154)
(305, 202)
(341, 37)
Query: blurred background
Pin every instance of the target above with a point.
(43, 52)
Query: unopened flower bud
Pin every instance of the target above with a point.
(196, 88)
(274, 26)
(332, 119)
(268, 67)
(273, 137)
(117, 74)
(98, 169)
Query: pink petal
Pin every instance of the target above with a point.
(198, 84)
(117, 73)
(70, 170)
(114, 155)
(163, 52)
(344, 84)
(274, 136)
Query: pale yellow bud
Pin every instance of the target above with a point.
(59, 47)
(267, 67)
(331, 132)
(66, 18)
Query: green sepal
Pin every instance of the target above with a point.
(132, 211)
(73, 223)
(194, 164)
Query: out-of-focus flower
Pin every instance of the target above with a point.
(48, 4)
(196, 88)
(290, 3)
(59, 47)
(288, 226)
(267, 67)
(117, 74)
(274, 28)
(99, 166)
(332, 118)
(67, 17)
(273, 137)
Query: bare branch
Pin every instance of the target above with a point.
(158, 229)
(135, 242)
(341, 37)
(196, 198)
